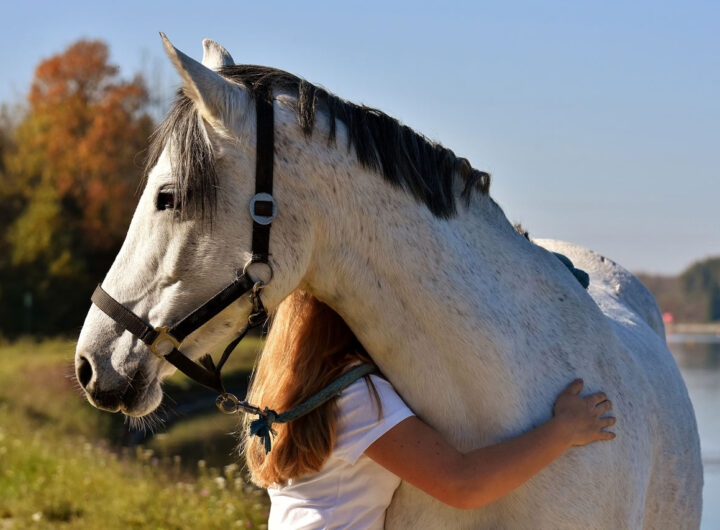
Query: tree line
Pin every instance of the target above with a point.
(693, 295)
(71, 159)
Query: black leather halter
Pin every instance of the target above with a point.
(263, 210)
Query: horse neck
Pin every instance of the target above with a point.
(466, 301)
(385, 263)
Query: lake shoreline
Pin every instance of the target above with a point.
(692, 328)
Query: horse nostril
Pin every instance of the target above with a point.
(84, 372)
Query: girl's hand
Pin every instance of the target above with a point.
(582, 417)
(420, 455)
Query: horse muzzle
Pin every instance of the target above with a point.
(114, 392)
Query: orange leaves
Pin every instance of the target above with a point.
(69, 164)
(81, 69)
(68, 168)
(81, 137)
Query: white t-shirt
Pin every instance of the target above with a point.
(351, 490)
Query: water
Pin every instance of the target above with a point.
(699, 359)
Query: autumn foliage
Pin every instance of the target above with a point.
(69, 170)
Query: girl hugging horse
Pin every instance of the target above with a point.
(339, 465)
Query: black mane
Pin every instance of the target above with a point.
(403, 157)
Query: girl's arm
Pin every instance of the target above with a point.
(418, 454)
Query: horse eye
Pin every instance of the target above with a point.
(166, 201)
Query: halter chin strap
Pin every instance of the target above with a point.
(263, 210)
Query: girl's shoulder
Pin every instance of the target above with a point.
(363, 417)
(379, 394)
(361, 387)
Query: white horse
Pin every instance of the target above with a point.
(477, 327)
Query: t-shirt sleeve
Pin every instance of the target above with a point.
(358, 424)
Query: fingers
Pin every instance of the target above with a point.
(594, 399)
(575, 387)
(606, 421)
(606, 435)
(603, 407)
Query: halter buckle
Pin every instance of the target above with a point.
(163, 334)
(263, 219)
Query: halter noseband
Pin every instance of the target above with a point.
(263, 209)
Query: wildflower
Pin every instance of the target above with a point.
(230, 471)
(220, 482)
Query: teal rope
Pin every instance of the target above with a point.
(262, 427)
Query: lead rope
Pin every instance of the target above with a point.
(262, 427)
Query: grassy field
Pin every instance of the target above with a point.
(64, 464)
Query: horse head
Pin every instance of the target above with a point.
(190, 234)
(336, 226)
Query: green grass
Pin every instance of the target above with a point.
(61, 465)
(36, 383)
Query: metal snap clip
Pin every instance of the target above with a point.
(227, 403)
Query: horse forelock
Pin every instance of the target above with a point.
(404, 158)
(191, 155)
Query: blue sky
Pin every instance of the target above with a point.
(598, 120)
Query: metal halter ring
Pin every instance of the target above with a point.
(223, 400)
(263, 219)
(162, 336)
(252, 261)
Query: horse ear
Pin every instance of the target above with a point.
(215, 56)
(211, 93)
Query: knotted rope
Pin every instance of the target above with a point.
(262, 427)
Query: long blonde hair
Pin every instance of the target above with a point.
(307, 347)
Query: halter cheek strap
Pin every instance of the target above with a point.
(263, 210)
